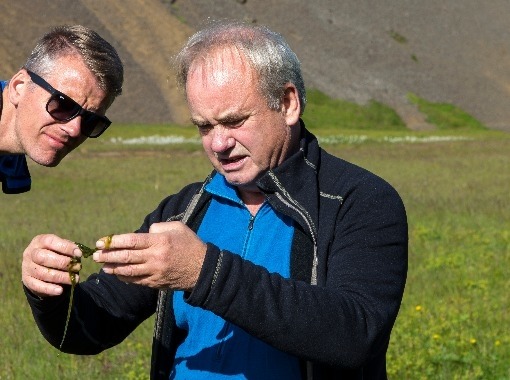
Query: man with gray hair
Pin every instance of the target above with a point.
(285, 263)
(55, 101)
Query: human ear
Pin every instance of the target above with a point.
(291, 106)
(17, 86)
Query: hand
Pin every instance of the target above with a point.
(170, 256)
(44, 268)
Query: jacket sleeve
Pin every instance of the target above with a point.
(105, 311)
(346, 319)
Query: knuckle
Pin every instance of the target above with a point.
(123, 271)
(57, 276)
(128, 256)
(38, 256)
(157, 227)
(122, 256)
(46, 240)
(25, 268)
(134, 241)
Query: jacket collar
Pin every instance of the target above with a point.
(296, 179)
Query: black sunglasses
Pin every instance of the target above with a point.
(62, 108)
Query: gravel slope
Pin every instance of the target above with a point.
(445, 51)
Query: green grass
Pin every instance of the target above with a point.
(333, 114)
(454, 318)
(325, 113)
(445, 116)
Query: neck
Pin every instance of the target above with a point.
(252, 199)
(5, 122)
(1, 103)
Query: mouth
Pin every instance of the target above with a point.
(57, 143)
(232, 163)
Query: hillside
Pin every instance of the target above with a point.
(444, 51)
(143, 31)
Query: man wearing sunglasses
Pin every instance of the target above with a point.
(56, 101)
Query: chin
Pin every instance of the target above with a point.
(242, 183)
(50, 161)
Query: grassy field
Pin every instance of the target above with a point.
(454, 319)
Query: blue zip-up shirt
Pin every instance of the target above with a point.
(215, 348)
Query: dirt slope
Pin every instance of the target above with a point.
(443, 50)
(143, 31)
(448, 51)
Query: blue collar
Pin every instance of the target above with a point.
(220, 187)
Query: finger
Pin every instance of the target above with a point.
(105, 242)
(56, 244)
(44, 281)
(50, 275)
(119, 256)
(49, 259)
(124, 241)
(131, 279)
(41, 288)
(130, 271)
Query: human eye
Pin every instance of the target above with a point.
(234, 122)
(202, 126)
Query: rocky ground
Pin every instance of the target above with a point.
(444, 51)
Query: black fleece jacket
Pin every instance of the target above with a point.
(335, 313)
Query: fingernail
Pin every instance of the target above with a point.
(100, 244)
(95, 256)
(57, 290)
(77, 252)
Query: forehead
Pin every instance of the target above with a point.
(220, 68)
(70, 68)
(70, 75)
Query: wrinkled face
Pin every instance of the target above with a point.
(44, 139)
(241, 135)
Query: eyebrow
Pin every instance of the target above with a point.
(230, 118)
(198, 123)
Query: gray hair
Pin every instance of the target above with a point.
(99, 56)
(266, 51)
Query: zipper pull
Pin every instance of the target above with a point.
(250, 224)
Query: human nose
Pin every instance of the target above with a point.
(221, 139)
(73, 126)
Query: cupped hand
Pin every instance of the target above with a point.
(45, 265)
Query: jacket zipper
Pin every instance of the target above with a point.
(226, 327)
(285, 197)
(163, 294)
